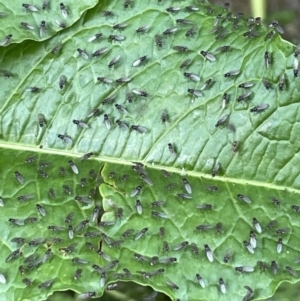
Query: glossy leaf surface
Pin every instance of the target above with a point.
(229, 152)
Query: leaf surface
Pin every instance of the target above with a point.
(221, 148)
(23, 20)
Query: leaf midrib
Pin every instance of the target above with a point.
(175, 170)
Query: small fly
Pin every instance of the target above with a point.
(83, 199)
(217, 20)
(180, 246)
(127, 3)
(192, 76)
(200, 280)
(209, 56)
(244, 198)
(222, 120)
(184, 21)
(47, 255)
(117, 38)
(248, 246)
(13, 255)
(95, 37)
(139, 129)
(121, 109)
(80, 123)
(140, 60)
(140, 233)
(143, 29)
(108, 14)
(269, 35)
(109, 99)
(171, 148)
(279, 245)
(26, 197)
(207, 84)
(184, 196)
(61, 24)
(244, 269)
(81, 225)
(33, 89)
(267, 58)
(222, 286)
(107, 121)
(209, 253)
(30, 8)
(281, 83)
(41, 210)
(173, 9)
(86, 295)
(217, 167)
(172, 285)
(275, 201)
(187, 185)
(253, 241)
(190, 32)
(65, 138)
(164, 116)
(83, 54)
(276, 26)
(262, 265)
(120, 26)
(274, 267)
(73, 167)
(46, 284)
(296, 67)
(181, 49)
(191, 8)
(42, 28)
(16, 221)
(194, 92)
(228, 255)
(94, 113)
(19, 177)
(104, 255)
(158, 214)
(246, 85)
(114, 61)
(69, 218)
(62, 81)
(158, 41)
(204, 206)
(116, 243)
(256, 225)
(26, 25)
(232, 73)
(259, 108)
(99, 52)
(55, 228)
(77, 274)
(20, 241)
(135, 191)
(86, 156)
(154, 260)
(56, 48)
(185, 63)
(140, 92)
(170, 31)
(27, 281)
(291, 271)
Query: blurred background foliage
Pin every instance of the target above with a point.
(287, 13)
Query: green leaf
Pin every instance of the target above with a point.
(24, 22)
(234, 159)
